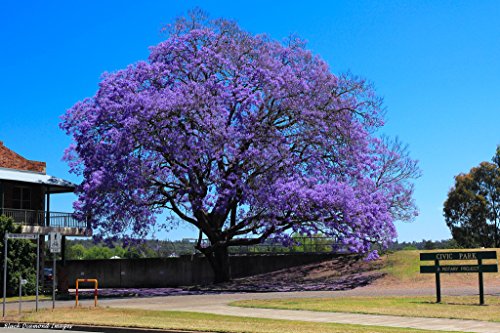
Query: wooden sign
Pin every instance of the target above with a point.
(479, 268)
(474, 255)
(459, 269)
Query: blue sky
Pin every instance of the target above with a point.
(436, 63)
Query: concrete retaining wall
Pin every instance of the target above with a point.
(172, 272)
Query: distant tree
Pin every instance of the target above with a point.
(21, 259)
(429, 245)
(241, 136)
(75, 252)
(98, 252)
(88, 250)
(119, 251)
(472, 210)
(425, 244)
(449, 244)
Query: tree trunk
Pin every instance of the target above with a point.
(219, 260)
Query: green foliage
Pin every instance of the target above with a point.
(98, 252)
(136, 252)
(425, 245)
(76, 251)
(88, 251)
(472, 210)
(429, 245)
(21, 260)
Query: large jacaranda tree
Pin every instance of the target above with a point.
(242, 137)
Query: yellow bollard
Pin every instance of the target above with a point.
(96, 284)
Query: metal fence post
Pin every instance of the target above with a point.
(5, 271)
(20, 292)
(37, 270)
(54, 281)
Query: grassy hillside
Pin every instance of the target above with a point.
(403, 267)
(401, 270)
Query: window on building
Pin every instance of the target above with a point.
(21, 198)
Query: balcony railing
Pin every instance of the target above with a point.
(40, 218)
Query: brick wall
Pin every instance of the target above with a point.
(12, 160)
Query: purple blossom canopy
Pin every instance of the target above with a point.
(237, 135)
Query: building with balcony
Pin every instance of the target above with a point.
(25, 195)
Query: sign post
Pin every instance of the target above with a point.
(481, 285)
(55, 248)
(438, 283)
(5, 271)
(18, 236)
(22, 282)
(37, 271)
(53, 280)
(480, 268)
(20, 293)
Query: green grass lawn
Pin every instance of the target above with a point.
(193, 321)
(26, 298)
(451, 307)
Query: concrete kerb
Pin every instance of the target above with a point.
(109, 329)
(95, 328)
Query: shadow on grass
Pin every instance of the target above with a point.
(448, 303)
